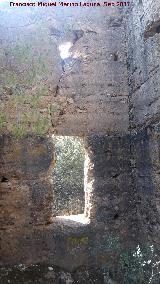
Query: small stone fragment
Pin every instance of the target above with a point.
(50, 268)
(71, 101)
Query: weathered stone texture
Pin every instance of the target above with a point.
(85, 93)
(26, 191)
(144, 88)
(146, 186)
(143, 63)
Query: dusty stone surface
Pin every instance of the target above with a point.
(85, 93)
(122, 205)
(26, 191)
(46, 274)
(144, 101)
(143, 63)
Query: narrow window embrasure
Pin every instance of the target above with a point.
(68, 176)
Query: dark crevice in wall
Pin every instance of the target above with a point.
(158, 30)
(115, 22)
(115, 56)
(4, 179)
(116, 216)
(57, 90)
(151, 73)
(91, 32)
(55, 32)
(152, 30)
(115, 175)
(77, 34)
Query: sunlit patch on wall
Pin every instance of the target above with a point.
(65, 49)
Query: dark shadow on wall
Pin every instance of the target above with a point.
(146, 215)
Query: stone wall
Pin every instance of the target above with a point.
(144, 112)
(26, 190)
(85, 93)
(143, 63)
(121, 202)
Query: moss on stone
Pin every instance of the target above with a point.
(78, 240)
(2, 120)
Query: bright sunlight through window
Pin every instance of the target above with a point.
(64, 49)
